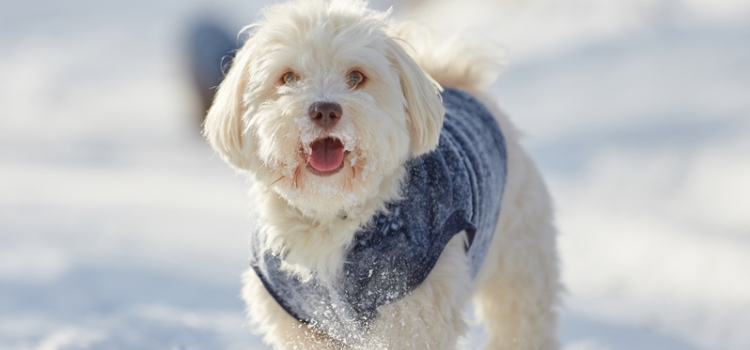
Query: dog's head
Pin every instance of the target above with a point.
(321, 104)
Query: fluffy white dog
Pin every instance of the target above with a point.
(329, 108)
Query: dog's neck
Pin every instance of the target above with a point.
(315, 246)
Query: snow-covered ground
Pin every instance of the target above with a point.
(119, 228)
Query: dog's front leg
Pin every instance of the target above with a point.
(432, 316)
(280, 329)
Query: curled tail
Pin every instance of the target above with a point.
(463, 61)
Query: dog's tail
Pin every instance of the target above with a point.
(464, 61)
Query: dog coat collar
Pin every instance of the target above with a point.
(458, 187)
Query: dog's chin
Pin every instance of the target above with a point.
(322, 196)
(324, 192)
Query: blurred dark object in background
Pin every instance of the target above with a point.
(210, 48)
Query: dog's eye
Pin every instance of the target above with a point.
(289, 78)
(354, 79)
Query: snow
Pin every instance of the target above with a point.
(119, 227)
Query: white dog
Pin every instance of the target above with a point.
(334, 114)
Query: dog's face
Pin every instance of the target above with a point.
(321, 105)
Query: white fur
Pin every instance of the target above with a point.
(260, 126)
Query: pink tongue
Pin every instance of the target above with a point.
(327, 154)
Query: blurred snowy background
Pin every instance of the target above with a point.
(119, 228)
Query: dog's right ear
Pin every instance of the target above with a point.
(224, 126)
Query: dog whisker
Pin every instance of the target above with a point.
(277, 180)
(295, 180)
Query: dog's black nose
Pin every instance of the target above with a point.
(325, 114)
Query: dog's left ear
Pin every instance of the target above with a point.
(423, 103)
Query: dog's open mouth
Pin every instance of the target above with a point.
(326, 156)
